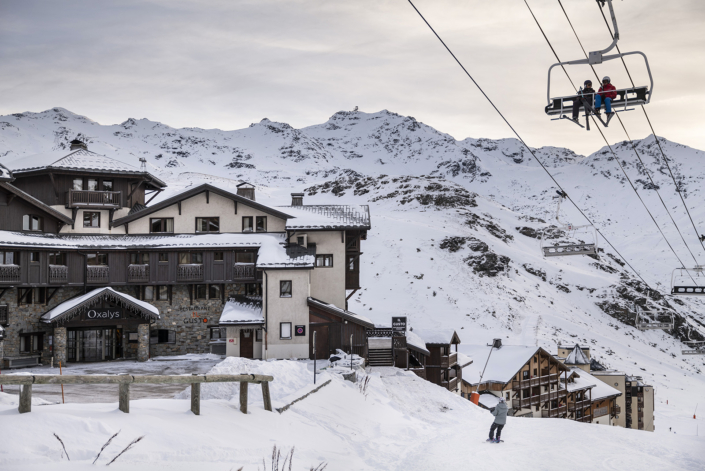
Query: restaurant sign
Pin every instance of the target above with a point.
(399, 326)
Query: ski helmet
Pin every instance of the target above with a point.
(606, 78)
(501, 399)
(588, 82)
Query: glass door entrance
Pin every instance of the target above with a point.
(91, 344)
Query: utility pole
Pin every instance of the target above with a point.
(314, 357)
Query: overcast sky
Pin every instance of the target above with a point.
(225, 64)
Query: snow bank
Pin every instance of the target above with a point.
(14, 400)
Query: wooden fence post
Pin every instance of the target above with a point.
(243, 397)
(196, 398)
(266, 397)
(124, 404)
(25, 398)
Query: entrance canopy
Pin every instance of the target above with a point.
(242, 311)
(87, 303)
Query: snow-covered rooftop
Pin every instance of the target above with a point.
(327, 217)
(577, 357)
(241, 312)
(584, 380)
(345, 314)
(436, 336)
(416, 342)
(272, 252)
(80, 159)
(73, 306)
(503, 364)
(5, 173)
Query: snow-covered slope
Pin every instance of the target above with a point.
(454, 223)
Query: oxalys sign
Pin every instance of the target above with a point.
(103, 313)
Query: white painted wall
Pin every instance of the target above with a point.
(293, 309)
(104, 218)
(217, 206)
(232, 346)
(328, 284)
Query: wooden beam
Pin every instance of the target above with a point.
(235, 203)
(111, 213)
(25, 398)
(196, 398)
(266, 397)
(178, 203)
(243, 397)
(2, 292)
(353, 292)
(49, 296)
(135, 189)
(208, 196)
(124, 400)
(154, 196)
(10, 197)
(74, 212)
(56, 188)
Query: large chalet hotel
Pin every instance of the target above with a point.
(91, 271)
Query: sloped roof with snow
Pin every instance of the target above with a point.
(438, 336)
(577, 357)
(75, 306)
(599, 389)
(415, 342)
(243, 311)
(5, 174)
(344, 313)
(335, 217)
(503, 364)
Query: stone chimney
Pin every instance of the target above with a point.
(297, 199)
(497, 343)
(246, 190)
(76, 144)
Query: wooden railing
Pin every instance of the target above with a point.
(243, 271)
(124, 381)
(97, 274)
(190, 272)
(98, 199)
(616, 410)
(451, 384)
(554, 412)
(537, 381)
(9, 273)
(579, 404)
(420, 372)
(138, 273)
(58, 274)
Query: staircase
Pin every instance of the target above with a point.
(380, 357)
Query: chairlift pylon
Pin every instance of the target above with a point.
(684, 281)
(564, 249)
(626, 97)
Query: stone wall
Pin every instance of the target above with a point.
(60, 346)
(143, 343)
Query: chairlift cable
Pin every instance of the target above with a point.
(526, 145)
(658, 143)
(612, 151)
(625, 129)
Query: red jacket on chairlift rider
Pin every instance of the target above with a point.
(606, 94)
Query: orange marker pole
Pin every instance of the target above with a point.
(62, 386)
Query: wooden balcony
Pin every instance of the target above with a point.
(585, 418)
(577, 405)
(9, 274)
(244, 271)
(97, 274)
(420, 372)
(450, 385)
(537, 381)
(58, 274)
(449, 360)
(554, 413)
(138, 273)
(616, 410)
(94, 199)
(190, 272)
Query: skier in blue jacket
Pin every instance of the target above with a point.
(500, 419)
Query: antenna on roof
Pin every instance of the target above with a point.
(143, 165)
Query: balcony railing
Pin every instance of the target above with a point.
(616, 410)
(138, 273)
(190, 272)
(420, 372)
(58, 274)
(96, 199)
(449, 360)
(553, 412)
(451, 384)
(579, 404)
(244, 271)
(9, 273)
(97, 274)
(537, 381)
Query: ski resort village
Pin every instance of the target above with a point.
(365, 291)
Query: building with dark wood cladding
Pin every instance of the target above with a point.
(441, 364)
(223, 272)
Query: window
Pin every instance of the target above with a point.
(34, 257)
(200, 291)
(32, 343)
(57, 258)
(324, 260)
(78, 184)
(525, 375)
(162, 336)
(217, 256)
(207, 224)
(538, 408)
(163, 257)
(535, 372)
(97, 259)
(258, 335)
(285, 330)
(285, 289)
(107, 185)
(186, 258)
(92, 184)
(31, 296)
(91, 219)
(214, 291)
(148, 293)
(525, 393)
(507, 396)
(261, 223)
(9, 258)
(217, 333)
(554, 404)
(244, 257)
(137, 258)
(157, 225)
(247, 224)
(301, 240)
(163, 293)
(246, 289)
(31, 222)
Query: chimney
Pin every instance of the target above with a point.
(297, 199)
(246, 190)
(497, 343)
(76, 144)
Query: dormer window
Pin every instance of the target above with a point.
(31, 222)
(91, 219)
(211, 224)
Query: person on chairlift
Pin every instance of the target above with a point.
(587, 95)
(606, 94)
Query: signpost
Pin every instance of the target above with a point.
(314, 357)
(399, 326)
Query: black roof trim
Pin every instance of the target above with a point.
(196, 191)
(347, 315)
(35, 202)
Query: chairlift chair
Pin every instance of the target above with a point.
(697, 346)
(576, 248)
(650, 319)
(626, 99)
(684, 281)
